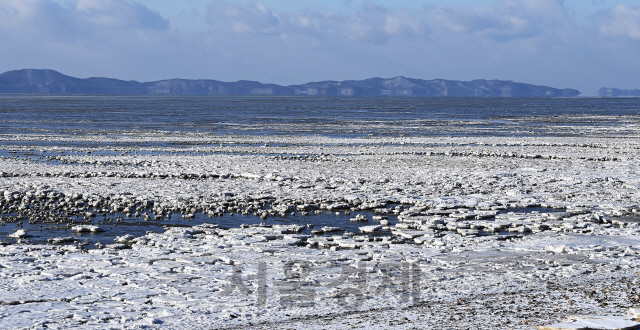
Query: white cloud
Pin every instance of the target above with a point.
(505, 21)
(34, 17)
(120, 13)
(619, 21)
(378, 24)
(82, 38)
(369, 23)
(46, 17)
(256, 18)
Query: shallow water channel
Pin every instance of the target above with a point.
(114, 225)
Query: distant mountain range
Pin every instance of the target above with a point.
(53, 82)
(615, 92)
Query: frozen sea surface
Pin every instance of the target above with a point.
(526, 207)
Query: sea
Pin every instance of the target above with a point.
(307, 115)
(343, 117)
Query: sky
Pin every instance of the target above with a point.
(582, 44)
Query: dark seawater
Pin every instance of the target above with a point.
(329, 116)
(40, 233)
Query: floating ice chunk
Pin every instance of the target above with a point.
(338, 206)
(307, 207)
(61, 240)
(20, 233)
(193, 231)
(370, 229)
(405, 226)
(123, 239)
(118, 246)
(468, 232)
(282, 208)
(484, 205)
(485, 214)
(513, 192)
(423, 240)
(410, 234)
(439, 242)
(594, 322)
(559, 249)
(251, 176)
(290, 229)
(359, 218)
(345, 245)
(466, 215)
(87, 229)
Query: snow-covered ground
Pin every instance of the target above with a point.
(450, 258)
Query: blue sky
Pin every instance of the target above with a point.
(583, 44)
